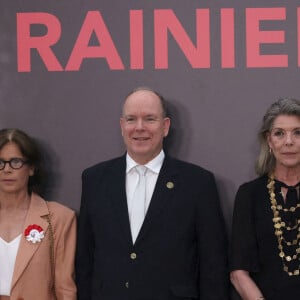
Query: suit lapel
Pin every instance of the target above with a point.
(165, 189)
(117, 193)
(37, 209)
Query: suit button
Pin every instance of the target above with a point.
(127, 284)
(133, 255)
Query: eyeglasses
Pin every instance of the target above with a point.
(14, 163)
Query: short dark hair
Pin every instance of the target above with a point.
(161, 98)
(29, 148)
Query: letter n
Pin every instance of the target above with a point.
(166, 21)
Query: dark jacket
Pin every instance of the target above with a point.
(180, 252)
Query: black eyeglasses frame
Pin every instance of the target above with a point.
(10, 162)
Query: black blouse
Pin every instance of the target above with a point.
(254, 246)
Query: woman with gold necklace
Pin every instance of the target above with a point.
(265, 248)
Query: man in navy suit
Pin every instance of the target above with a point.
(166, 243)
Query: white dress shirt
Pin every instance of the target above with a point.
(132, 178)
(8, 255)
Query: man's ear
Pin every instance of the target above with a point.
(167, 123)
(121, 125)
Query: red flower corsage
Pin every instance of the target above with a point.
(34, 233)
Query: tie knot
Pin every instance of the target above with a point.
(141, 170)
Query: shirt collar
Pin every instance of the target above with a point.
(154, 165)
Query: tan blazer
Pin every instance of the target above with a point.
(32, 278)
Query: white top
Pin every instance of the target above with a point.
(132, 178)
(8, 254)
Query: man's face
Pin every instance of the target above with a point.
(143, 126)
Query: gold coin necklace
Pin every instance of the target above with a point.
(280, 226)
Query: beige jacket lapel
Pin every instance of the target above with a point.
(37, 209)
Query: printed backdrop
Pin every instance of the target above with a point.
(65, 67)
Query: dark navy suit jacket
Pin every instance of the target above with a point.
(180, 252)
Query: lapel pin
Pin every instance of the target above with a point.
(34, 233)
(170, 185)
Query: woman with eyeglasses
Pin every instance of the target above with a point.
(37, 238)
